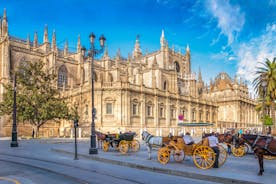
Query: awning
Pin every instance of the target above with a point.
(195, 124)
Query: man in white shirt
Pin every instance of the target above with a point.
(188, 139)
(213, 143)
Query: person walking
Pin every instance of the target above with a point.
(240, 132)
(213, 143)
(33, 133)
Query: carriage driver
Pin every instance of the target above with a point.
(213, 143)
(188, 139)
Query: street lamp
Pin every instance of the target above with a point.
(14, 142)
(264, 85)
(93, 52)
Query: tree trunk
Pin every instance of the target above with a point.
(273, 117)
(36, 131)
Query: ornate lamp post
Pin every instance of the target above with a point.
(93, 52)
(14, 142)
(264, 85)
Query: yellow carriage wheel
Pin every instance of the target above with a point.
(239, 151)
(163, 155)
(269, 157)
(222, 155)
(204, 157)
(178, 155)
(105, 146)
(135, 145)
(123, 146)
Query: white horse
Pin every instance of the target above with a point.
(151, 140)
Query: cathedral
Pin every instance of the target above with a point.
(157, 91)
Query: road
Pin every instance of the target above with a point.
(33, 163)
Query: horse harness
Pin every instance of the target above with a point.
(267, 141)
(148, 137)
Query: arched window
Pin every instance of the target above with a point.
(177, 67)
(62, 77)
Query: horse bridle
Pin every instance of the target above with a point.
(148, 137)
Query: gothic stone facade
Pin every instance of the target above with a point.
(144, 91)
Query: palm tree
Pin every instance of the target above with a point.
(265, 84)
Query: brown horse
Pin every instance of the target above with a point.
(262, 145)
(100, 138)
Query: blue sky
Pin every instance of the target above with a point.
(223, 35)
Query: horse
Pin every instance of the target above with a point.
(153, 140)
(262, 146)
(100, 138)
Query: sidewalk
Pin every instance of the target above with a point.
(235, 170)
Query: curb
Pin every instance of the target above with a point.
(160, 170)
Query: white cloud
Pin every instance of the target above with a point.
(230, 19)
(256, 50)
(232, 58)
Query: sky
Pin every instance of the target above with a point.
(232, 36)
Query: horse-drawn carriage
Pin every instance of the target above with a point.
(122, 142)
(203, 155)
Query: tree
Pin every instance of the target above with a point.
(267, 73)
(38, 99)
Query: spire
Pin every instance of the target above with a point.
(137, 50)
(65, 50)
(54, 44)
(0, 26)
(129, 58)
(199, 75)
(4, 23)
(79, 45)
(28, 42)
(105, 56)
(45, 36)
(188, 49)
(162, 39)
(5, 14)
(154, 63)
(106, 51)
(118, 56)
(35, 40)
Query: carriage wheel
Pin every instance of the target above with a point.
(123, 146)
(269, 157)
(163, 155)
(178, 156)
(135, 145)
(222, 155)
(238, 152)
(204, 157)
(105, 146)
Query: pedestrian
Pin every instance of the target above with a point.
(33, 133)
(240, 132)
(229, 151)
(213, 143)
(188, 139)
